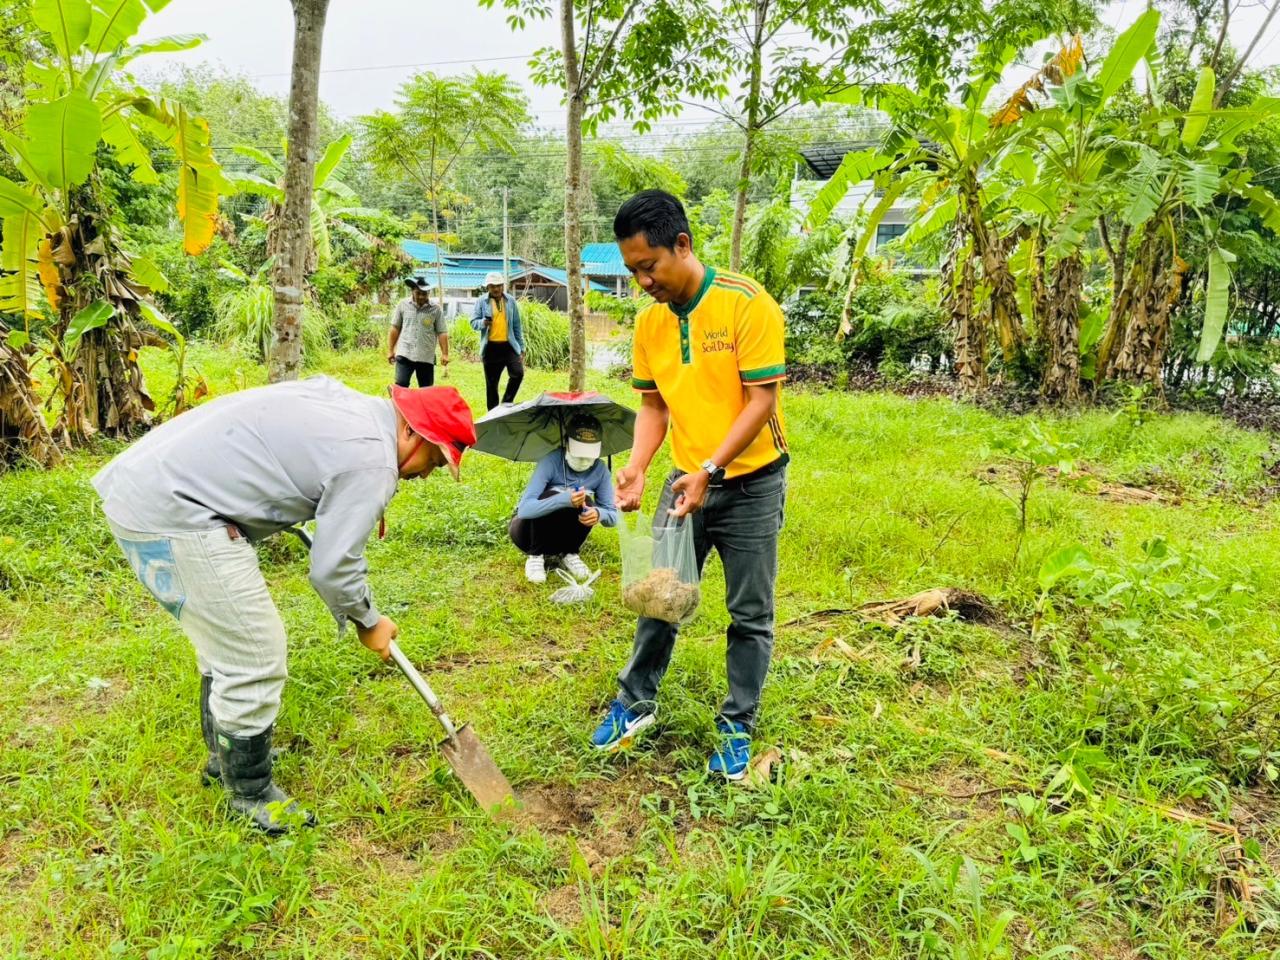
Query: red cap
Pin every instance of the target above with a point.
(440, 415)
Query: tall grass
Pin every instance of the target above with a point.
(546, 336)
(246, 320)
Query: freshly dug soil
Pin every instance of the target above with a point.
(662, 595)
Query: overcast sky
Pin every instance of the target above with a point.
(372, 46)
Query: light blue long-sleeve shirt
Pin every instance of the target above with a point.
(552, 470)
(484, 311)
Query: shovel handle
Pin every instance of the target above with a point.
(407, 668)
(424, 689)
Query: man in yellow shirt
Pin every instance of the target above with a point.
(708, 361)
(497, 319)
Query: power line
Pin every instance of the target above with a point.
(451, 63)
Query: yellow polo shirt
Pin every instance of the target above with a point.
(701, 357)
(498, 330)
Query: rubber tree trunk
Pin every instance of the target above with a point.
(572, 200)
(749, 138)
(299, 179)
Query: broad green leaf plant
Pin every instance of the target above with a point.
(71, 286)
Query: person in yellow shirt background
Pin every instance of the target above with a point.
(708, 360)
(497, 320)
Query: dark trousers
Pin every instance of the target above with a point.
(499, 357)
(405, 369)
(742, 523)
(556, 533)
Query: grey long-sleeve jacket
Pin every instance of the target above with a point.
(266, 459)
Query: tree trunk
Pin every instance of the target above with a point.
(1061, 331)
(572, 200)
(299, 180)
(1141, 356)
(115, 398)
(988, 248)
(748, 142)
(969, 341)
(24, 434)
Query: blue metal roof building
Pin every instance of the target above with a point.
(464, 274)
(603, 260)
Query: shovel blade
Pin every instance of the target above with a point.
(477, 771)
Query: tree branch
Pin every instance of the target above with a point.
(1222, 35)
(587, 81)
(1235, 71)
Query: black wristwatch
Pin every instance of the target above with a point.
(715, 473)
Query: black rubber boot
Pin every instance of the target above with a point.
(246, 774)
(212, 772)
(212, 768)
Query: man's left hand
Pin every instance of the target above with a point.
(589, 517)
(690, 492)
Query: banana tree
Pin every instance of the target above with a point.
(946, 155)
(1180, 176)
(333, 203)
(73, 291)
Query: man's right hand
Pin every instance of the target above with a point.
(378, 637)
(578, 498)
(630, 487)
(391, 358)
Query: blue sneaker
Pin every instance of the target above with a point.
(734, 753)
(620, 726)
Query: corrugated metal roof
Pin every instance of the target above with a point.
(469, 274)
(422, 251)
(603, 260)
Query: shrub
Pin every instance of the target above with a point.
(621, 310)
(464, 342)
(546, 336)
(358, 326)
(246, 313)
(894, 326)
(334, 287)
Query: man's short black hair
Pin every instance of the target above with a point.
(656, 214)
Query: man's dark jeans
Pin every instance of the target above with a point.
(405, 369)
(499, 357)
(742, 523)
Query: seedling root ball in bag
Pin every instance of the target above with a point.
(659, 569)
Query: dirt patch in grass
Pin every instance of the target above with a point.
(14, 873)
(563, 905)
(392, 862)
(55, 707)
(1091, 481)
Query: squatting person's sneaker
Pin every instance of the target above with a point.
(620, 726)
(573, 563)
(734, 753)
(535, 570)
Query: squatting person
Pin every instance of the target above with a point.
(569, 493)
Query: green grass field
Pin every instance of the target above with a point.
(1053, 782)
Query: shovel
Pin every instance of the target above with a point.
(462, 748)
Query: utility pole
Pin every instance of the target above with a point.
(506, 240)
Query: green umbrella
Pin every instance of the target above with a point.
(529, 431)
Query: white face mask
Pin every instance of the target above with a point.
(579, 464)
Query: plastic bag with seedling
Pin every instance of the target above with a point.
(659, 568)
